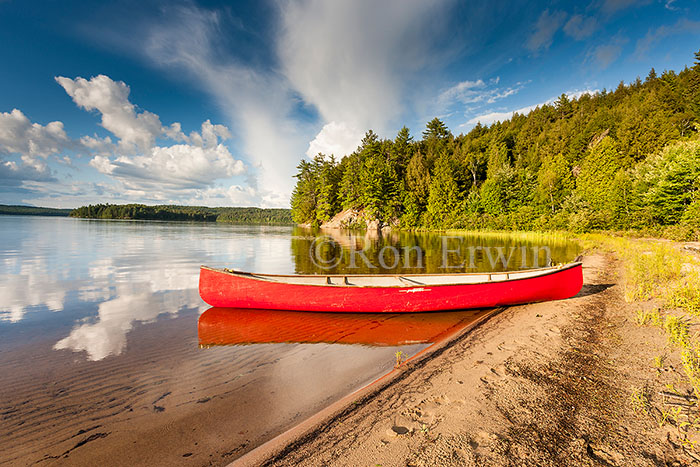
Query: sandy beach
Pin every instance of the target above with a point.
(541, 384)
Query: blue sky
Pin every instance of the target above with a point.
(211, 103)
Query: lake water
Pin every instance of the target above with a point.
(108, 356)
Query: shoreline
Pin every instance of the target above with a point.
(540, 384)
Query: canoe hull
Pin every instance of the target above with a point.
(222, 289)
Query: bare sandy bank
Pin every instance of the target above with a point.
(541, 384)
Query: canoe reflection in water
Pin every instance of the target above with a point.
(236, 326)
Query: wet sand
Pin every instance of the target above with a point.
(545, 384)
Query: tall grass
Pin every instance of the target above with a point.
(686, 294)
(658, 270)
(649, 266)
(527, 236)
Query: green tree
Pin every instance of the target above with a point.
(327, 188)
(598, 170)
(444, 199)
(669, 182)
(418, 178)
(554, 182)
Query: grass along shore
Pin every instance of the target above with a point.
(662, 280)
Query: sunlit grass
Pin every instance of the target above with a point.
(659, 271)
(649, 317)
(686, 294)
(649, 266)
(527, 236)
(677, 330)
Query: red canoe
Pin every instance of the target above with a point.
(387, 293)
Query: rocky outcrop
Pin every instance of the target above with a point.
(357, 218)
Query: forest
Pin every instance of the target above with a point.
(19, 210)
(184, 213)
(627, 159)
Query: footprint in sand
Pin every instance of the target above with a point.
(400, 425)
(499, 371)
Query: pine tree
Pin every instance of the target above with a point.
(594, 183)
(304, 195)
(670, 181)
(436, 129)
(435, 139)
(444, 200)
(554, 182)
(563, 106)
(401, 151)
(327, 187)
(651, 76)
(418, 178)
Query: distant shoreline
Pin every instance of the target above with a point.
(19, 210)
(230, 215)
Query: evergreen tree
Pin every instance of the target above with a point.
(670, 182)
(327, 186)
(598, 170)
(418, 178)
(444, 199)
(304, 195)
(436, 129)
(554, 182)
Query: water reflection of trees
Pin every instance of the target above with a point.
(334, 251)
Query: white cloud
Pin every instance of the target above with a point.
(492, 117)
(682, 26)
(142, 168)
(547, 25)
(33, 142)
(464, 92)
(259, 104)
(208, 138)
(580, 27)
(98, 145)
(177, 166)
(476, 92)
(14, 174)
(335, 139)
(120, 190)
(136, 161)
(351, 59)
(603, 55)
(233, 195)
(119, 116)
(21, 136)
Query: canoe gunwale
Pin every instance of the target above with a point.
(263, 277)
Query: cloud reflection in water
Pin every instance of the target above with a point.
(116, 275)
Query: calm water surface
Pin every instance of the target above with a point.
(108, 355)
